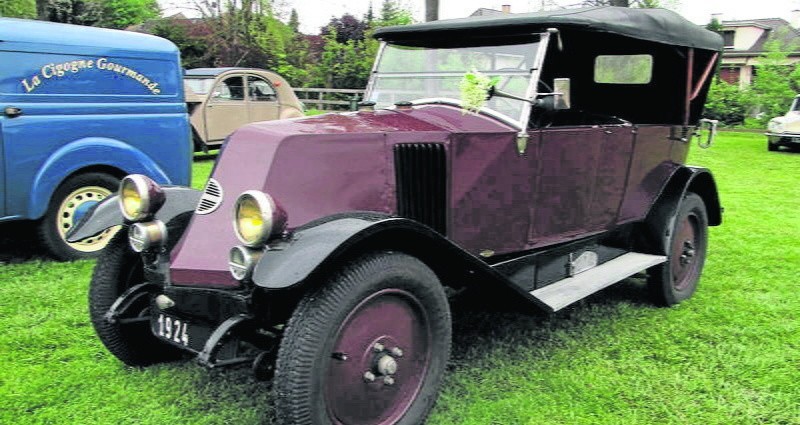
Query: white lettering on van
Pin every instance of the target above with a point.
(58, 70)
(35, 82)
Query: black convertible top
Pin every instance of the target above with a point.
(658, 25)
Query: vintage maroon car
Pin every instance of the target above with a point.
(322, 246)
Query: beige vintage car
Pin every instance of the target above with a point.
(785, 130)
(220, 100)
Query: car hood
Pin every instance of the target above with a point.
(313, 167)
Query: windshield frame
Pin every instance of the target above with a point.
(201, 77)
(534, 74)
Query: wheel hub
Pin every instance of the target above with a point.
(378, 361)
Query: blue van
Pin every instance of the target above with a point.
(80, 108)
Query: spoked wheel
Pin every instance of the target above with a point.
(676, 280)
(369, 348)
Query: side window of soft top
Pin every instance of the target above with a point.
(231, 88)
(260, 90)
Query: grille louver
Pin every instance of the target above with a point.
(211, 198)
(421, 175)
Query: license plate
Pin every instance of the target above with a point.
(173, 329)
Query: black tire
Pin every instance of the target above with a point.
(118, 269)
(306, 361)
(686, 242)
(772, 147)
(62, 214)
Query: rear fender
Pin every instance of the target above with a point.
(107, 214)
(320, 248)
(685, 179)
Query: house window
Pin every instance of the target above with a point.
(730, 74)
(727, 39)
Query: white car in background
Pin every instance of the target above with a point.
(785, 130)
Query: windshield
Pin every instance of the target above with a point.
(796, 105)
(407, 73)
(199, 85)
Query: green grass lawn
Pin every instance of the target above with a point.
(730, 355)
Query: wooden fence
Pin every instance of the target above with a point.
(322, 98)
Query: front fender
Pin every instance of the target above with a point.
(107, 214)
(320, 248)
(91, 151)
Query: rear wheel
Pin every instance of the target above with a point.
(130, 339)
(70, 202)
(370, 347)
(687, 238)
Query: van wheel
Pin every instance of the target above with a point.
(70, 202)
(369, 347)
(687, 239)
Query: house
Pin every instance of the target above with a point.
(744, 45)
(492, 12)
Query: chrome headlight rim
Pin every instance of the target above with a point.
(266, 207)
(145, 236)
(151, 197)
(242, 262)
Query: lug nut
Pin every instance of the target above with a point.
(388, 380)
(369, 376)
(378, 347)
(396, 351)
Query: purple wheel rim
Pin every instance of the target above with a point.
(685, 251)
(364, 344)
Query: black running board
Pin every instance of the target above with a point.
(567, 291)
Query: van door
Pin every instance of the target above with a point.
(262, 100)
(226, 109)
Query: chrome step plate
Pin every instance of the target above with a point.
(567, 291)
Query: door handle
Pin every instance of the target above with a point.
(12, 111)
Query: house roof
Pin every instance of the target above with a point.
(483, 11)
(787, 33)
(657, 25)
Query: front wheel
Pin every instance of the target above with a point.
(130, 339)
(772, 147)
(70, 202)
(369, 347)
(687, 240)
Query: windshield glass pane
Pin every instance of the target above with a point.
(410, 73)
(199, 85)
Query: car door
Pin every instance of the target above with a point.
(567, 163)
(226, 109)
(262, 100)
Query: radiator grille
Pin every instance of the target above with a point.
(421, 175)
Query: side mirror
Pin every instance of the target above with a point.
(711, 125)
(561, 88)
(216, 95)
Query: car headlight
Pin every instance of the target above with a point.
(242, 261)
(144, 236)
(139, 197)
(257, 218)
(775, 127)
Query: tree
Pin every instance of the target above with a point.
(646, 4)
(18, 8)
(394, 14)
(431, 10)
(775, 82)
(346, 27)
(101, 13)
(190, 37)
(124, 13)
